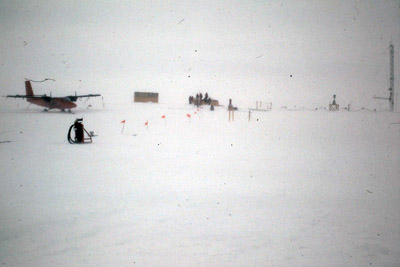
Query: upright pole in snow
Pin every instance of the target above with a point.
(233, 116)
(231, 109)
(391, 89)
(123, 126)
(165, 119)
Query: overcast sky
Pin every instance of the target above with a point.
(287, 52)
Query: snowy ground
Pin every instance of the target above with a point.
(307, 188)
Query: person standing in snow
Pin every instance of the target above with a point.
(197, 100)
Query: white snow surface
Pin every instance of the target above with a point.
(288, 188)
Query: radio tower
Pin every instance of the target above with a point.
(391, 89)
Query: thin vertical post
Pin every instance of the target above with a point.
(391, 89)
(231, 115)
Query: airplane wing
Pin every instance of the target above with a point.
(75, 97)
(49, 98)
(26, 96)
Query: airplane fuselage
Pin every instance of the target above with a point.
(53, 103)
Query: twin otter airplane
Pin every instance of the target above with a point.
(48, 102)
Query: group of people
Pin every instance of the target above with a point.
(199, 100)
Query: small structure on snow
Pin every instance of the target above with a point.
(145, 97)
(334, 106)
(262, 106)
(230, 106)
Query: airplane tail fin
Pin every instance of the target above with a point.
(28, 88)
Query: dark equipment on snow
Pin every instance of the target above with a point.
(79, 133)
(334, 106)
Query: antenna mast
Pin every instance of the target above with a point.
(391, 89)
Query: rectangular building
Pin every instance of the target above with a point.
(146, 97)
